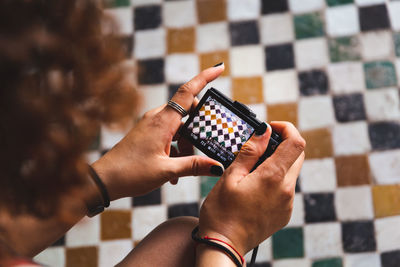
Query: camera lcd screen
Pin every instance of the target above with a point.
(217, 131)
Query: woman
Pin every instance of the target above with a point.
(62, 77)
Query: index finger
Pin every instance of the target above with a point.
(187, 92)
(289, 149)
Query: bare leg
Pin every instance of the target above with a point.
(169, 244)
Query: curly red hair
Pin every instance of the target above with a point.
(61, 77)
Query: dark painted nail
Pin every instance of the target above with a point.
(219, 64)
(262, 129)
(217, 170)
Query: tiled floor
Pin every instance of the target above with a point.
(332, 67)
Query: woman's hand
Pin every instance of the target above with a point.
(244, 209)
(141, 161)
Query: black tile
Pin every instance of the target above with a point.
(313, 82)
(190, 209)
(147, 17)
(260, 264)
(244, 33)
(374, 18)
(279, 57)
(273, 6)
(384, 135)
(319, 207)
(349, 107)
(59, 242)
(127, 45)
(172, 88)
(390, 259)
(298, 188)
(151, 71)
(152, 198)
(358, 236)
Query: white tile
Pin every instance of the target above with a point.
(292, 262)
(385, 166)
(342, 21)
(376, 45)
(382, 104)
(145, 2)
(223, 84)
(53, 256)
(110, 137)
(351, 138)
(181, 68)
(280, 87)
(124, 18)
(186, 191)
(315, 112)
(149, 44)
(276, 29)
(260, 110)
(178, 14)
(397, 63)
(347, 203)
(85, 233)
(394, 10)
(322, 240)
(122, 203)
(212, 37)
(92, 156)
(302, 6)
(297, 218)
(264, 252)
(247, 61)
(111, 253)
(145, 219)
(362, 260)
(368, 2)
(243, 9)
(387, 233)
(311, 53)
(318, 175)
(153, 97)
(347, 77)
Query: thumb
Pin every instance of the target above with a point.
(195, 166)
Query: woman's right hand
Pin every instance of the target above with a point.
(245, 208)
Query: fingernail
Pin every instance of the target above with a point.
(219, 64)
(217, 170)
(261, 129)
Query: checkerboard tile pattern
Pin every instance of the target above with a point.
(332, 67)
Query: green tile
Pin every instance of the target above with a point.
(380, 74)
(344, 49)
(335, 262)
(308, 25)
(338, 2)
(116, 3)
(288, 243)
(206, 184)
(396, 37)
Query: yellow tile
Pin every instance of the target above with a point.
(115, 224)
(352, 170)
(81, 257)
(211, 10)
(283, 112)
(180, 40)
(319, 143)
(386, 200)
(247, 90)
(210, 59)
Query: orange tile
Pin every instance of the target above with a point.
(81, 257)
(115, 224)
(386, 200)
(180, 40)
(319, 143)
(210, 59)
(352, 170)
(283, 112)
(211, 10)
(247, 90)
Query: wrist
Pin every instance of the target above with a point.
(239, 247)
(105, 172)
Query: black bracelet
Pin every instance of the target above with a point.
(100, 184)
(216, 245)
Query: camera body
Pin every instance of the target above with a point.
(219, 127)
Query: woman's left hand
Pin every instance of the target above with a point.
(141, 161)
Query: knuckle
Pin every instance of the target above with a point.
(278, 171)
(287, 193)
(299, 144)
(184, 89)
(195, 165)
